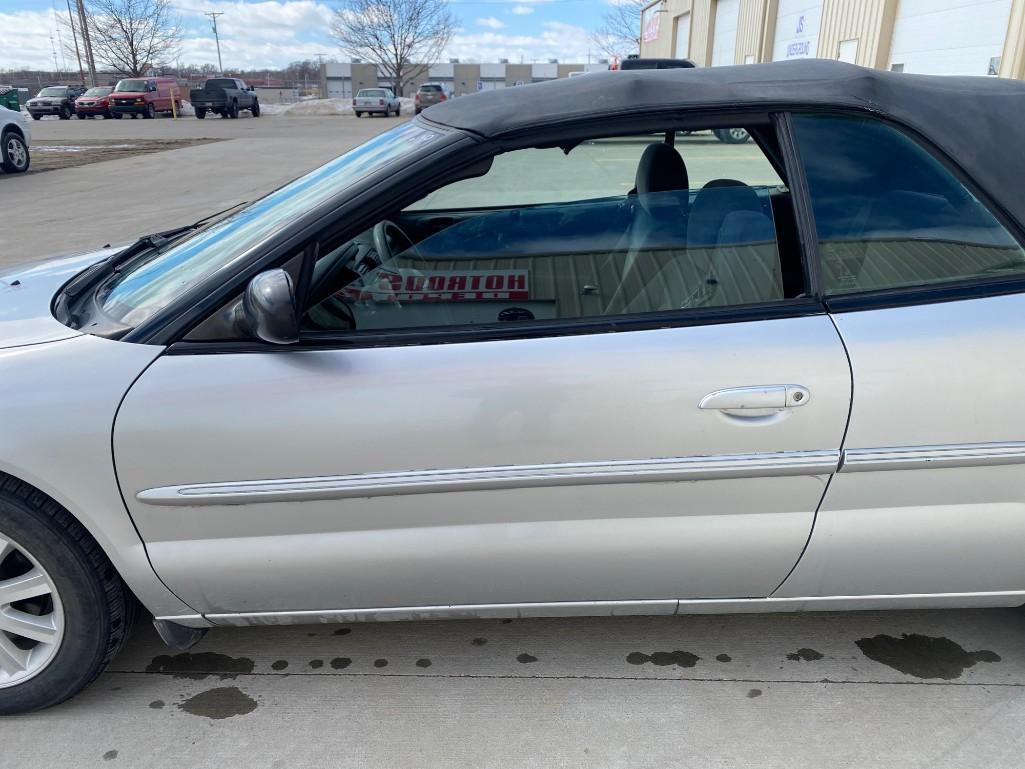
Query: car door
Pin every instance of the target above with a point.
(927, 289)
(527, 413)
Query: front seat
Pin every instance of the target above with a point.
(658, 223)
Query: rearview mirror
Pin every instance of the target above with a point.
(269, 309)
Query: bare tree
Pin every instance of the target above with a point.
(400, 36)
(130, 36)
(620, 32)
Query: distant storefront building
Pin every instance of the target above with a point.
(941, 37)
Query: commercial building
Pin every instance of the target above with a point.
(343, 80)
(941, 37)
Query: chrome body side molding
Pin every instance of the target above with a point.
(624, 608)
(922, 457)
(483, 478)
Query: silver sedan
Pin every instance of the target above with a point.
(449, 374)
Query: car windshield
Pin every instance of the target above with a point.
(131, 85)
(144, 287)
(53, 92)
(97, 91)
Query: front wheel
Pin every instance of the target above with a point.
(151, 112)
(14, 159)
(255, 109)
(65, 113)
(64, 612)
(115, 115)
(200, 113)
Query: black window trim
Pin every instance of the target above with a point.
(801, 306)
(904, 296)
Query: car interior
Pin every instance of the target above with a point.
(666, 244)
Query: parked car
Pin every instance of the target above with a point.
(579, 399)
(379, 101)
(15, 137)
(144, 97)
(94, 103)
(54, 100)
(428, 95)
(225, 96)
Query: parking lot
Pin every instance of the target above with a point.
(898, 689)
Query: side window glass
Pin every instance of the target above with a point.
(890, 215)
(614, 227)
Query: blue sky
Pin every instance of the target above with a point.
(257, 33)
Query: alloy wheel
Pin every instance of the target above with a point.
(17, 155)
(738, 134)
(31, 615)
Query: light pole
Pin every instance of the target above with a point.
(213, 21)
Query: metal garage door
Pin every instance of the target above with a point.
(797, 29)
(724, 33)
(682, 45)
(949, 37)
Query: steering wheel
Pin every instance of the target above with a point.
(384, 232)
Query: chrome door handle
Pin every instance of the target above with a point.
(758, 398)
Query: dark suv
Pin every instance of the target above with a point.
(428, 95)
(54, 100)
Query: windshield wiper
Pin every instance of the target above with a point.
(86, 279)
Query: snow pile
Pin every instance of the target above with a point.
(185, 110)
(319, 107)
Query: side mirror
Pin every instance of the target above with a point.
(268, 308)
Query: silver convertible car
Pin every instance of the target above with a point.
(531, 354)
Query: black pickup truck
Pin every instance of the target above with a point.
(226, 96)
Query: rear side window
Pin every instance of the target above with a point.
(890, 215)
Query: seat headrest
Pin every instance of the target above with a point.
(661, 170)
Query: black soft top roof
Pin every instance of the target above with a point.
(978, 121)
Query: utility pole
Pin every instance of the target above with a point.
(74, 36)
(213, 22)
(83, 25)
(321, 76)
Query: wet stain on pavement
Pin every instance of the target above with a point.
(342, 631)
(923, 656)
(506, 621)
(279, 664)
(664, 659)
(157, 704)
(752, 693)
(340, 663)
(380, 663)
(423, 662)
(316, 664)
(804, 655)
(110, 755)
(723, 658)
(526, 659)
(223, 702)
(199, 666)
(479, 641)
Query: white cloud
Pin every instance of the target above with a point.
(521, 10)
(30, 47)
(491, 22)
(557, 40)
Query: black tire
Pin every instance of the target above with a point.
(35, 116)
(359, 114)
(398, 110)
(65, 113)
(115, 115)
(201, 114)
(151, 112)
(16, 162)
(99, 611)
(732, 135)
(233, 110)
(417, 111)
(255, 109)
